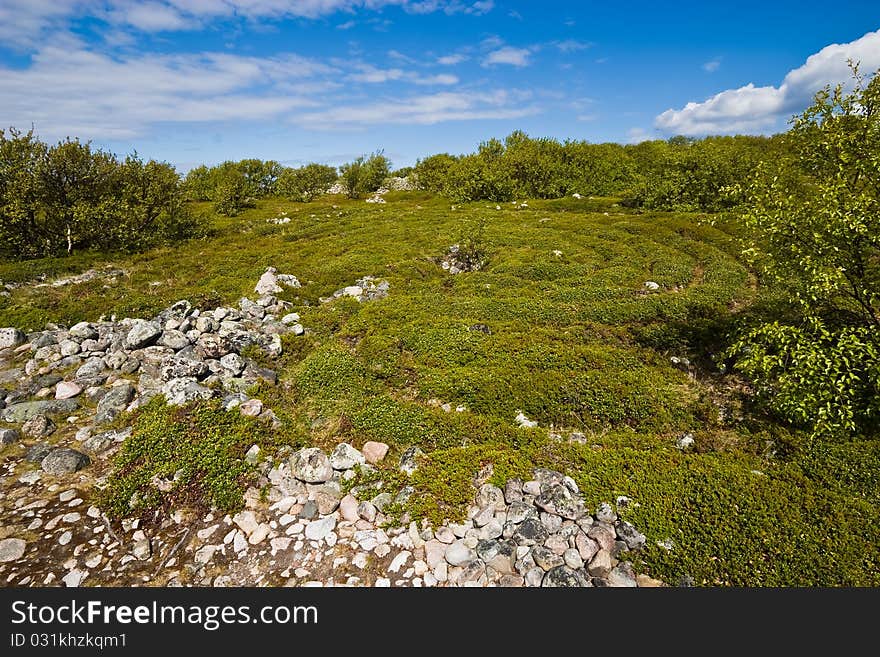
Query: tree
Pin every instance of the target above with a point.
(305, 183)
(816, 227)
(365, 174)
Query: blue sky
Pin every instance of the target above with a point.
(201, 81)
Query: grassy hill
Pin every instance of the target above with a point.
(558, 325)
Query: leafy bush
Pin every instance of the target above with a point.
(431, 172)
(231, 196)
(305, 183)
(68, 197)
(365, 174)
(815, 228)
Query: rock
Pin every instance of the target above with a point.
(519, 511)
(11, 549)
(173, 339)
(603, 534)
(309, 510)
(297, 329)
(290, 318)
(67, 390)
(180, 367)
(586, 546)
(651, 285)
(563, 576)
(233, 362)
(210, 345)
(184, 390)
(530, 532)
(114, 402)
(36, 453)
(319, 529)
(91, 368)
(374, 451)
(513, 490)
(251, 407)
(69, 347)
(490, 495)
(600, 565)
(39, 426)
(64, 461)
(573, 559)
(311, 465)
(409, 460)
(348, 508)
(644, 581)
(633, 538)
(23, 411)
(458, 553)
(101, 441)
(545, 558)
(398, 561)
(327, 498)
(622, 576)
(559, 500)
(74, 578)
(605, 513)
(534, 576)
(367, 511)
(142, 334)
(9, 436)
(522, 421)
(345, 457)
(11, 337)
(686, 442)
(268, 283)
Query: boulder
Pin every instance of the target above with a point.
(142, 334)
(11, 337)
(64, 461)
(311, 465)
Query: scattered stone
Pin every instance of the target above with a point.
(64, 461)
(11, 549)
(9, 436)
(345, 457)
(374, 452)
(67, 389)
(686, 442)
(11, 338)
(311, 465)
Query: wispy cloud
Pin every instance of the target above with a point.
(712, 65)
(508, 55)
(367, 73)
(347, 25)
(572, 45)
(750, 108)
(452, 60)
(421, 110)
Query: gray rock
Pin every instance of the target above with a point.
(83, 331)
(534, 576)
(558, 499)
(142, 335)
(23, 411)
(367, 511)
(686, 442)
(545, 558)
(622, 576)
(11, 337)
(603, 534)
(92, 367)
(409, 460)
(345, 457)
(179, 367)
(39, 426)
(573, 559)
(174, 340)
(586, 546)
(309, 510)
(183, 391)
(490, 495)
(563, 576)
(513, 490)
(11, 549)
(633, 538)
(101, 441)
(318, 529)
(36, 453)
(250, 308)
(473, 573)
(114, 402)
(311, 465)
(9, 436)
(210, 345)
(605, 513)
(519, 511)
(381, 501)
(530, 532)
(233, 362)
(206, 324)
(458, 553)
(69, 347)
(548, 477)
(64, 461)
(552, 522)
(327, 498)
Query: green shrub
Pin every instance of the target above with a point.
(305, 183)
(365, 174)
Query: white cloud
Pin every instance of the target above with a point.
(572, 45)
(712, 65)
(452, 60)
(421, 110)
(347, 25)
(755, 109)
(508, 55)
(25, 23)
(637, 135)
(94, 96)
(367, 73)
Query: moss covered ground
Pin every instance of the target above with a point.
(558, 325)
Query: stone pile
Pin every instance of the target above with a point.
(93, 371)
(456, 262)
(368, 288)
